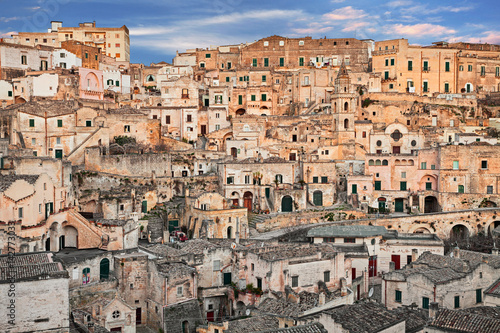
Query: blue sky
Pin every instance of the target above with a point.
(159, 28)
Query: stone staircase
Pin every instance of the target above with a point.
(254, 219)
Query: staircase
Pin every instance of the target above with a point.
(74, 154)
(310, 108)
(254, 219)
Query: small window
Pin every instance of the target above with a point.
(295, 281)
(230, 180)
(315, 180)
(402, 186)
(349, 240)
(484, 164)
(326, 276)
(126, 128)
(425, 302)
(88, 123)
(20, 212)
(457, 302)
(116, 314)
(32, 122)
(461, 189)
(216, 265)
(399, 296)
(324, 180)
(423, 165)
(403, 174)
(179, 291)
(264, 78)
(455, 165)
(378, 185)
(479, 295)
(489, 189)
(410, 65)
(59, 123)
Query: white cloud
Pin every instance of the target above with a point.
(345, 13)
(337, 1)
(418, 30)
(399, 3)
(8, 19)
(7, 34)
(355, 26)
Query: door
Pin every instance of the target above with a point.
(358, 296)
(396, 259)
(399, 205)
(372, 266)
(354, 189)
(49, 209)
(353, 273)
(144, 206)
(234, 152)
(210, 316)
(318, 198)
(104, 269)
(59, 153)
(138, 316)
(61, 243)
(268, 192)
(396, 149)
(47, 244)
(172, 224)
(286, 204)
(227, 279)
(203, 129)
(381, 206)
(247, 200)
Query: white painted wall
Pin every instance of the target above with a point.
(45, 85)
(64, 56)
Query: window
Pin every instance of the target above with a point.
(403, 174)
(230, 180)
(425, 302)
(116, 314)
(428, 185)
(387, 62)
(202, 65)
(461, 68)
(354, 189)
(208, 55)
(484, 164)
(240, 99)
(433, 167)
(386, 75)
(20, 212)
(216, 265)
(32, 122)
(446, 87)
(282, 62)
(301, 43)
(252, 98)
(378, 185)
(266, 62)
(324, 180)
(295, 281)
(263, 97)
(167, 119)
(227, 78)
(399, 296)
(88, 123)
(469, 68)
(461, 189)
(326, 276)
(457, 302)
(217, 127)
(24, 60)
(455, 165)
(126, 128)
(350, 240)
(489, 189)
(410, 65)
(247, 179)
(301, 61)
(483, 70)
(189, 118)
(423, 165)
(479, 295)
(426, 66)
(264, 78)
(315, 180)
(497, 71)
(254, 62)
(392, 61)
(402, 186)
(426, 86)
(447, 66)
(58, 141)
(179, 291)
(33, 141)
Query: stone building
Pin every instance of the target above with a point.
(36, 293)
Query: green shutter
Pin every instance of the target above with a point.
(59, 122)
(253, 98)
(457, 302)
(208, 55)
(426, 86)
(254, 62)
(425, 302)
(387, 62)
(428, 186)
(392, 62)
(386, 75)
(227, 78)
(263, 97)
(426, 66)
(447, 66)
(240, 99)
(402, 186)
(378, 185)
(264, 78)
(32, 122)
(461, 189)
(446, 87)
(354, 188)
(282, 62)
(10, 93)
(479, 295)
(301, 61)
(117, 83)
(399, 296)
(410, 65)
(144, 206)
(315, 180)
(266, 62)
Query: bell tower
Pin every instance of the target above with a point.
(343, 103)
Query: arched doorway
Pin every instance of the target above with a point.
(287, 204)
(493, 226)
(240, 112)
(234, 152)
(346, 106)
(104, 269)
(230, 232)
(421, 231)
(318, 198)
(47, 244)
(185, 326)
(487, 204)
(431, 205)
(459, 232)
(381, 205)
(248, 200)
(70, 236)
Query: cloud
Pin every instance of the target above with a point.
(337, 1)
(399, 3)
(425, 10)
(355, 26)
(419, 30)
(33, 8)
(8, 19)
(7, 34)
(311, 31)
(345, 13)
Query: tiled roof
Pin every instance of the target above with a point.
(253, 324)
(196, 246)
(7, 180)
(308, 328)
(52, 108)
(465, 322)
(494, 289)
(488, 311)
(175, 270)
(347, 231)
(30, 266)
(364, 317)
(164, 251)
(415, 319)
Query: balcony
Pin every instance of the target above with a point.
(426, 69)
(389, 79)
(185, 96)
(385, 52)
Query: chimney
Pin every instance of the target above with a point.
(392, 266)
(433, 310)
(456, 252)
(322, 298)
(343, 287)
(414, 255)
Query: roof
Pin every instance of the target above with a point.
(465, 322)
(494, 289)
(196, 246)
(253, 324)
(33, 266)
(174, 270)
(364, 317)
(294, 251)
(347, 231)
(7, 180)
(308, 328)
(52, 108)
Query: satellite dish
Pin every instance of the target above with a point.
(233, 246)
(247, 312)
(370, 293)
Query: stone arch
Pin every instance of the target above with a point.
(54, 233)
(487, 204)
(229, 232)
(70, 236)
(346, 106)
(428, 179)
(371, 162)
(460, 231)
(346, 123)
(421, 230)
(19, 100)
(248, 200)
(492, 226)
(431, 204)
(240, 112)
(287, 204)
(240, 308)
(385, 162)
(92, 81)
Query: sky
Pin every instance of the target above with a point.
(159, 28)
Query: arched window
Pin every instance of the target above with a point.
(346, 123)
(385, 162)
(346, 106)
(371, 162)
(150, 78)
(377, 162)
(86, 275)
(279, 179)
(110, 82)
